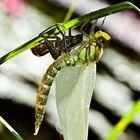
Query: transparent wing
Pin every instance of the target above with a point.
(74, 88)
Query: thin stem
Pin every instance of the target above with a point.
(10, 129)
(69, 13)
(124, 122)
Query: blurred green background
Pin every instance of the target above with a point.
(118, 73)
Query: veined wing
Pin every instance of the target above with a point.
(74, 88)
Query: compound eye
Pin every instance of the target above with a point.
(101, 40)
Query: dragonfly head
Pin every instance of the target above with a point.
(102, 38)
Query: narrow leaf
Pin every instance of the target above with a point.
(72, 24)
(10, 129)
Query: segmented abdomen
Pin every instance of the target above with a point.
(43, 92)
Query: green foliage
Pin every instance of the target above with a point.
(71, 24)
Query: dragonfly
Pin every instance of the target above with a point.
(89, 51)
(55, 45)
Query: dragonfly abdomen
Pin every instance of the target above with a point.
(44, 90)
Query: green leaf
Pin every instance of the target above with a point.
(124, 122)
(71, 24)
(18, 137)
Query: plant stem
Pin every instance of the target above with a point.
(71, 24)
(123, 123)
(10, 129)
(69, 14)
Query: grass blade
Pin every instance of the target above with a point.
(124, 122)
(10, 129)
(72, 24)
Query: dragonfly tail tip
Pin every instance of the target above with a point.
(36, 130)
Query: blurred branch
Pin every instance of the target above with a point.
(69, 14)
(71, 24)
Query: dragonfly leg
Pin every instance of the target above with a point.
(51, 27)
(81, 29)
(52, 48)
(63, 36)
(70, 32)
(46, 30)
